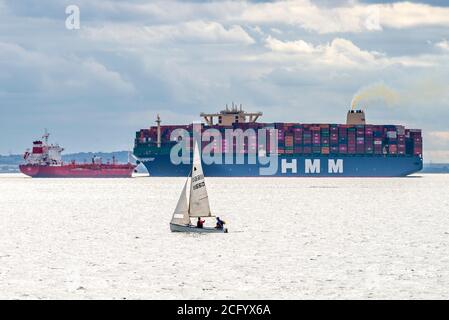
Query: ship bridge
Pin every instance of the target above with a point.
(229, 116)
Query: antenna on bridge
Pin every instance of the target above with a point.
(158, 121)
(45, 136)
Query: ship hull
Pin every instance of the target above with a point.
(78, 171)
(297, 166)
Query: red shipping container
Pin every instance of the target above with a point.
(417, 151)
(393, 149)
(342, 132)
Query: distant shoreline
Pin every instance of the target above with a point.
(10, 164)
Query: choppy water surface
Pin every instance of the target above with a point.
(289, 238)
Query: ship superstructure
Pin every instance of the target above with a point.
(230, 116)
(43, 153)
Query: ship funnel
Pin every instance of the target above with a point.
(355, 117)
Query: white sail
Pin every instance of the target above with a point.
(199, 201)
(181, 214)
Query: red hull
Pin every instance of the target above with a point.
(79, 171)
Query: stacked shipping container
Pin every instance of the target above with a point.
(322, 139)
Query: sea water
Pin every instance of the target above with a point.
(289, 238)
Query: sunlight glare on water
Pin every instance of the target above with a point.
(290, 238)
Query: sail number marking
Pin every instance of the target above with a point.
(199, 185)
(197, 178)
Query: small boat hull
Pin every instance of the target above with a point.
(193, 229)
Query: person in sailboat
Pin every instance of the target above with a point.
(199, 223)
(220, 224)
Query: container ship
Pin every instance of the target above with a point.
(45, 161)
(354, 149)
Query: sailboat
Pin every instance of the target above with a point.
(198, 204)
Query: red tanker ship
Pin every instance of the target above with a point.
(45, 161)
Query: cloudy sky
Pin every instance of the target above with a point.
(296, 61)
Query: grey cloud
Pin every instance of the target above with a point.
(94, 92)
